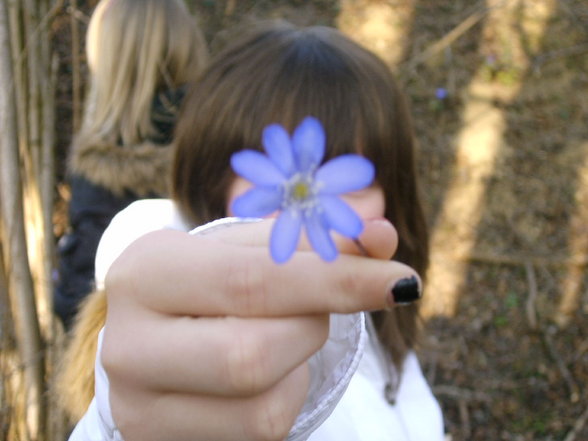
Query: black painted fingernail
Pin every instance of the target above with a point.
(405, 291)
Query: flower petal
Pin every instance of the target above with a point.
(319, 237)
(341, 217)
(308, 143)
(256, 167)
(345, 173)
(285, 235)
(257, 202)
(278, 147)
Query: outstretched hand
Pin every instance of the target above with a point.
(207, 338)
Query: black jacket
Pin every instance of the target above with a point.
(104, 179)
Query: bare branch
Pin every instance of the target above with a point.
(530, 308)
(578, 426)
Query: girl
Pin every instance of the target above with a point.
(141, 54)
(205, 337)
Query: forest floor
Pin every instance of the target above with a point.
(499, 94)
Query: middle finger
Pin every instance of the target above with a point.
(226, 356)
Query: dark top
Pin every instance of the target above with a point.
(91, 209)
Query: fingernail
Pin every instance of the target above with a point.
(405, 291)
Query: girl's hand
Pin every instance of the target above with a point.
(207, 339)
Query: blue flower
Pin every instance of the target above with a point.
(291, 179)
(441, 93)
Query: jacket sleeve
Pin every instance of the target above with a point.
(97, 423)
(331, 370)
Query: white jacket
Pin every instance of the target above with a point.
(346, 401)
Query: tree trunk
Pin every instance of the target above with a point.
(20, 282)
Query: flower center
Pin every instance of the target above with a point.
(300, 191)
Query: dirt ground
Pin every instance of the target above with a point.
(499, 93)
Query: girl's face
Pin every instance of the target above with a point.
(368, 203)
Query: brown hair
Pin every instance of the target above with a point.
(278, 73)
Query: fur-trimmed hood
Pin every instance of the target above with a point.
(143, 169)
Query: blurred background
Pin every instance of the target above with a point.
(499, 95)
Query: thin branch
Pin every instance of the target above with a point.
(578, 426)
(571, 384)
(47, 179)
(21, 53)
(464, 416)
(6, 323)
(460, 393)
(76, 68)
(448, 39)
(522, 260)
(548, 57)
(33, 148)
(52, 13)
(530, 308)
(18, 81)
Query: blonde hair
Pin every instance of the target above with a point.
(135, 49)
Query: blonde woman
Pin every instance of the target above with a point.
(141, 54)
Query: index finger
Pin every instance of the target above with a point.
(174, 273)
(379, 237)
